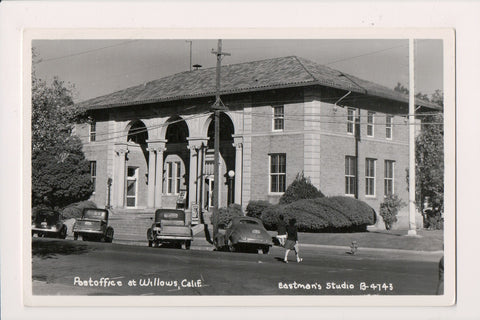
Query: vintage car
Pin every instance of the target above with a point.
(93, 226)
(49, 223)
(245, 234)
(171, 227)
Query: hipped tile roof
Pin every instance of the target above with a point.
(266, 74)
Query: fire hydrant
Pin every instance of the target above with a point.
(353, 247)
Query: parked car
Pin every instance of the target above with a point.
(171, 227)
(93, 226)
(245, 234)
(49, 223)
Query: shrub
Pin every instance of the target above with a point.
(300, 188)
(255, 208)
(226, 214)
(333, 214)
(75, 210)
(389, 210)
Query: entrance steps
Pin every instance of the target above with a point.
(131, 224)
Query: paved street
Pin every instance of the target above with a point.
(69, 267)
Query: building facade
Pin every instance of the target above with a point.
(151, 146)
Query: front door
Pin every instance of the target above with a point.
(209, 186)
(132, 187)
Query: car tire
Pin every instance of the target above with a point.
(265, 249)
(108, 235)
(84, 238)
(75, 236)
(150, 242)
(188, 243)
(231, 246)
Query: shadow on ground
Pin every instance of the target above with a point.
(48, 250)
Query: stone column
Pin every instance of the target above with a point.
(159, 176)
(195, 146)
(151, 177)
(121, 151)
(238, 144)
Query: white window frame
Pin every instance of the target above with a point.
(349, 176)
(386, 178)
(369, 178)
(93, 174)
(371, 123)
(134, 177)
(278, 117)
(173, 179)
(351, 113)
(278, 174)
(92, 131)
(389, 126)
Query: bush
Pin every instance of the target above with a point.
(75, 210)
(433, 219)
(389, 210)
(255, 208)
(300, 188)
(335, 214)
(226, 214)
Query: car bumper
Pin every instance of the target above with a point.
(161, 237)
(81, 231)
(40, 230)
(254, 242)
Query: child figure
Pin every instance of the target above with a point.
(292, 240)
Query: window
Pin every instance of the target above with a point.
(350, 175)
(93, 173)
(132, 185)
(370, 123)
(174, 176)
(277, 172)
(389, 177)
(370, 177)
(278, 118)
(351, 121)
(178, 176)
(93, 131)
(388, 127)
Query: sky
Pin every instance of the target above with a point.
(99, 67)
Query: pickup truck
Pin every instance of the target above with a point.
(171, 227)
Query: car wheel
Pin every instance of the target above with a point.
(150, 242)
(265, 249)
(109, 235)
(188, 244)
(84, 238)
(75, 236)
(231, 246)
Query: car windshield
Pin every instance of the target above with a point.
(248, 222)
(95, 214)
(47, 216)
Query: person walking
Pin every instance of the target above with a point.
(292, 240)
(281, 231)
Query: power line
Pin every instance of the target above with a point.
(365, 54)
(85, 52)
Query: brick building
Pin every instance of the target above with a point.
(151, 143)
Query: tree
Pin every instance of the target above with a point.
(429, 152)
(60, 172)
(429, 158)
(60, 175)
(300, 188)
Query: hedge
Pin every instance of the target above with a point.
(332, 214)
(226, 214)
(255, 208)
(75, 210)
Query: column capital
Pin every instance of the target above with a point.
(157, 145)
(121, 149)
(237, 142)
(195, 143)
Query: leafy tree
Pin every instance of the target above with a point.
(60, 172)
(300, 188)
(389, 210)
(429, 157)
(60, 175)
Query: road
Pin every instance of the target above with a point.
(67, 267)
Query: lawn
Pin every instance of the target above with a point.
(426, 240)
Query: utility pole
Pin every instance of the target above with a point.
(190, 41)
(411, 139)
(216, 108)
(357, 140)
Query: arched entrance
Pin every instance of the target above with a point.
(227, 162)
(176, 162)
(137, 164)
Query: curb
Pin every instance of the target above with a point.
(308, 245)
